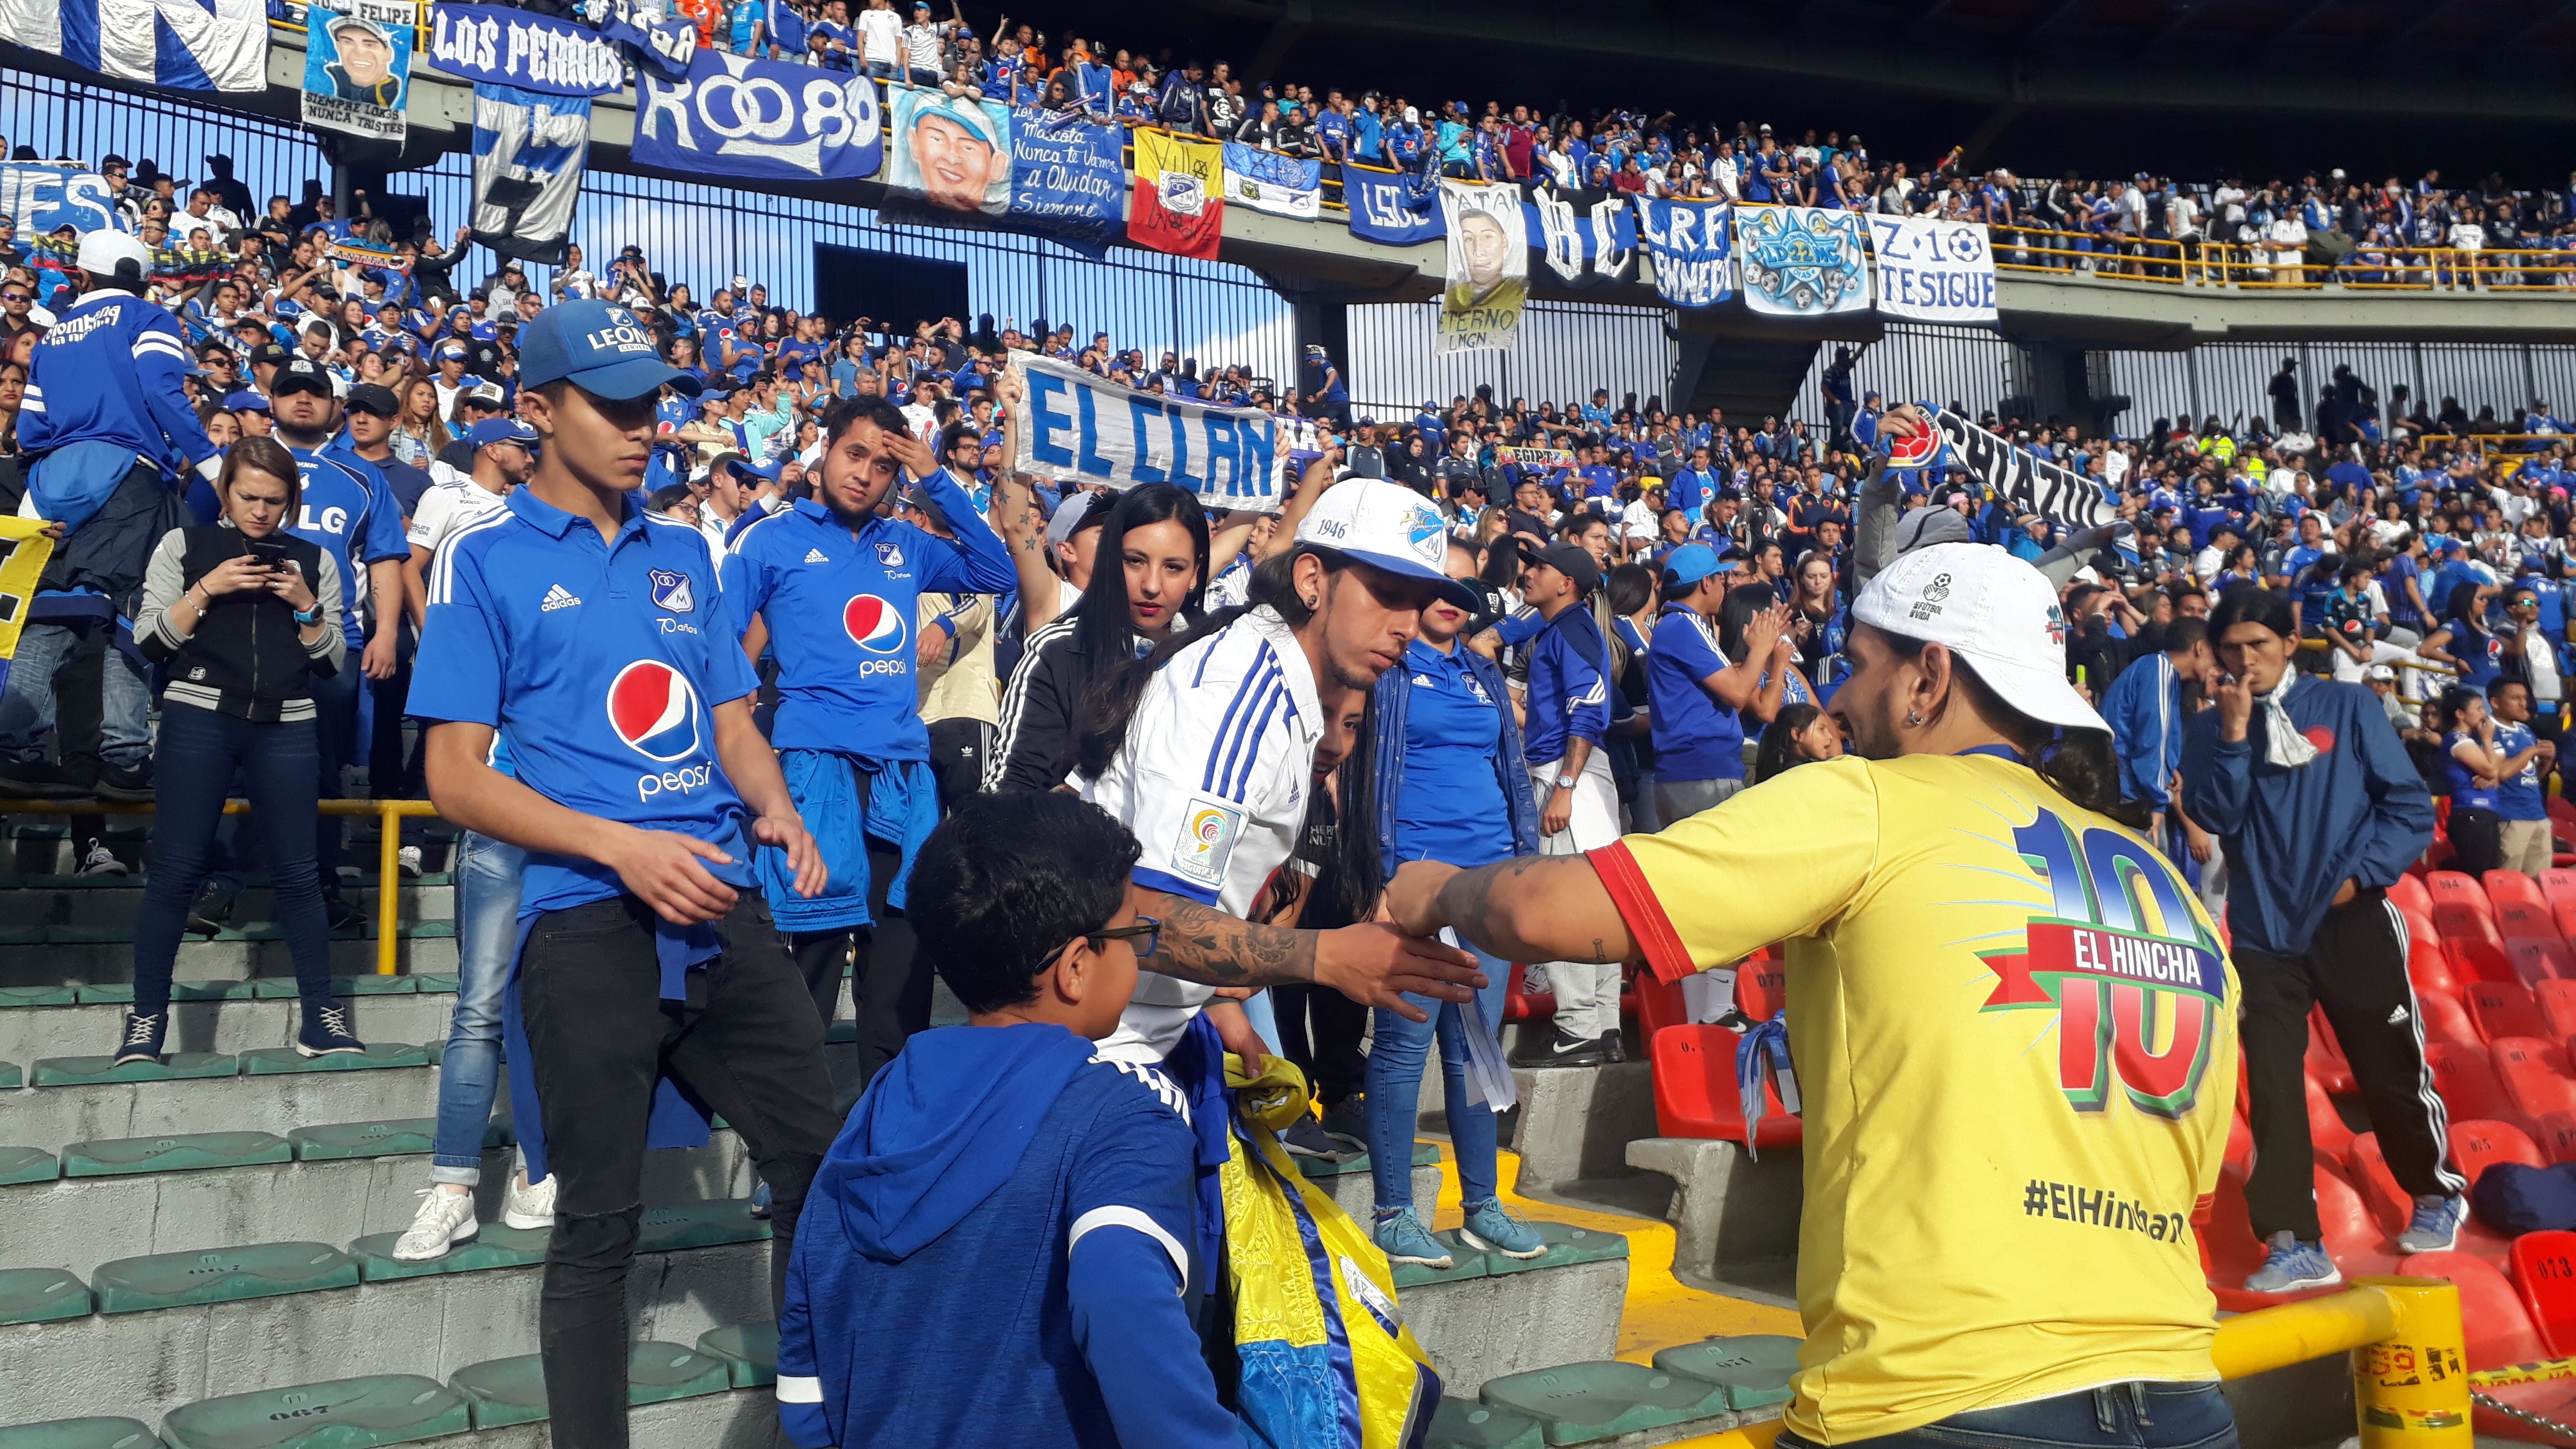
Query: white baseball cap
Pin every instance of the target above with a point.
(101, 250)
(1388, 526)
(1991, 609)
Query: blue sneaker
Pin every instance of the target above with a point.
(2435, 1227)
(1494, 1228)
(2291, 1266)
(1404, 1239)
(760, 1199)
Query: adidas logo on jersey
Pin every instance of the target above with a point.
(1161, 1085)
(557, 597)
(815, 555)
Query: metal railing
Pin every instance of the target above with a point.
(2410, 1383)
(389, 813)
(2263, 266)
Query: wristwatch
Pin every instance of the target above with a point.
(1565, 782)
(313, 616)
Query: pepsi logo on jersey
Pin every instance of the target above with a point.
(654, 711)
(877, 627)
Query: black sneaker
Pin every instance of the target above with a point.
(1346, 1121)
(326, 1033)
(116, 782)
(1560, 1050)
(39, 780)
(343, 913)
(1618, 1044)
(213, 907)
(1305, 1138)
(142, 1039)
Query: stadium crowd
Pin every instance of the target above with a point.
(311, 491)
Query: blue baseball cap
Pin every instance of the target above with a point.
(1693, 562)
(599, 347)
(501, 430)
(245, 402)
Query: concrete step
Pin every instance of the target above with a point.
(240, 1021)
(1577, 1122)
(1735, 1218)
(106, 953)
(114, 900)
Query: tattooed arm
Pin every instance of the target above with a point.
(1373, 964)
(1016, 516)
(1534, 908)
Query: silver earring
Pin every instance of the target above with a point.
(1913, 718)
(1312, 604)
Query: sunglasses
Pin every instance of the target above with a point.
(1147, 931)
(17, 297)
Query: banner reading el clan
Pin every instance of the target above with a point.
(1082, 428)
(1488, 268)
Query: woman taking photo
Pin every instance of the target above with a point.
(1451, 787)
(245, 615)
(1820, 639)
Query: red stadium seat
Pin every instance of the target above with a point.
(2410, 895)
(2325, 1061)
(2456, 919)
(2437, 854)
(2444, 1018)
(2388, 1203)
(2536, 959)
(1696, 1094)
(2352, 1234)
(2556, 1136)
(1762, 985)
(2544, 1272)
(1659, 1005)
(2240, 1143)
(2499, 1330)
(2557, 1002)
(2466, 1078)
(2562, 816)
(2534, 1074)
(2229, 1253)
(2451, 887)
(2564, 913)
(1522, 1004)
(2478, 958)
(2512, 887)
(2503, 1008)
(2558, 887)
(2481, 1144)
(2530, 918)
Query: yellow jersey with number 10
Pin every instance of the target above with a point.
(2015, 1034)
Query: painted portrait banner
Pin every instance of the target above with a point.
(1488, 268)
(357, 65)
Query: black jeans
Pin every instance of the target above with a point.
(745, 1042)
(2115, 1416)
(1320, 1030)
(2354, 967)
(198, 752)
(889, 978)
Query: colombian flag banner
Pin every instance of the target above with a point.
(1180, 195)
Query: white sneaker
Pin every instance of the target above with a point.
(445, 1219)
(407, 860)
(99, 860)
(530, 1205)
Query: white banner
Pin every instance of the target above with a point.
(1801, 261)
(188, 45)
(1933, 271)
(1488, 268)
(1086, 429)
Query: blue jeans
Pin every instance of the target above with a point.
(200, 749)
(2116, 1416)
(1394, 1088)
(27, 702)
(335, 738)
(487, 931)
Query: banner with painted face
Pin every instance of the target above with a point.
(1488, 268)
(761, 120)
(1693, 247)
(947, 153)
(45, 196)
(357, 65)
(1399, 208)
(1933, 271)
(1801, 261)
(490, 45)
(1589, 237)
(1081, 428)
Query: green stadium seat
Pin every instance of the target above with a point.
(496, 1246)
(28, 1164)
(1579, 1403)
(112, 993)
(180, 1152)
(1755, 1368)
(442, 983)
(1565, 1246)
(95, 1071)
(1424, 1155)
(513, 1390)
(285, 1061)
(11, 1077)
(281, 988)
(228, 1275)
(338, 1141)
(341, 1414)
(1466, 1424)
(200, 991)
(750, 1351)
(41, 1295)
(1465, 1263)
(80, 1434)
(36, 995)
(22, 935)
(699, 1225)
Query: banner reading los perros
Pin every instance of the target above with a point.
(357, 65)
(1488, 268)
(1086, 429)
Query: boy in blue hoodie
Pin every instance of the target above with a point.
(996, 1249)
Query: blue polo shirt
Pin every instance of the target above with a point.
(2517, 795)
(602, 662)
(841, 608)
(348, 509)
(1568, 692)
(2465, 791)
(1696, 738)
(1452, 808)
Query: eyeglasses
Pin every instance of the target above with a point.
(1147, 931)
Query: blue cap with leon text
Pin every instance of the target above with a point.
(597, 346)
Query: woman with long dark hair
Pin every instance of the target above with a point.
(2462, 640)
(1148, 570)
(1802, 733)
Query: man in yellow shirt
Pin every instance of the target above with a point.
(2013, 1027)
